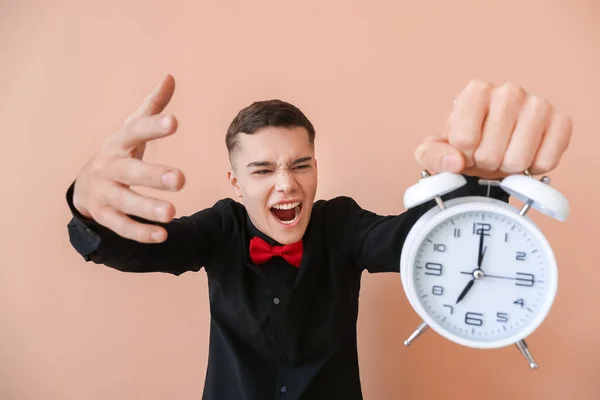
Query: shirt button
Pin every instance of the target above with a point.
(283, 389)
(279, 336)
(276, 300)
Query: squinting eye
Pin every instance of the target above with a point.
(302, 167)
(262, 172)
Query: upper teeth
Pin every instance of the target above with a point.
(286, 206)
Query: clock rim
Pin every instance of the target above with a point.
(434, 217)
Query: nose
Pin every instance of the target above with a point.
(285, 181)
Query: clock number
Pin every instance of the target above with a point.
(481, 228)
(471, 318)
(501, 317)
(519, 302)
(521, 255)
(437, 290)
(434, 268)
(439, 247)
(524, 279)
(456, 232)
(451, 308)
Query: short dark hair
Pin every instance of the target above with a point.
(265, 113)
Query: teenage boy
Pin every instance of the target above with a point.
(283, 269)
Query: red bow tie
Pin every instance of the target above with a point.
(261, 252)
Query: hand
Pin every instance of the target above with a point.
(495, 131)
(102, 189)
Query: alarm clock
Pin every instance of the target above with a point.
(477, 270)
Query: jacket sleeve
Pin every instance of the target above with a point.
(378, 239)
(192, 242)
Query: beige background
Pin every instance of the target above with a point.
(372, 76)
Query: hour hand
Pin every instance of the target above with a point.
(465, 290)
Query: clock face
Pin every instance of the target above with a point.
(483, 277)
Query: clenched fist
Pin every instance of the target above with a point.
(495, 131)
(103, 190)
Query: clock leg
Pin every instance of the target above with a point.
(522, 346)
(418, 332)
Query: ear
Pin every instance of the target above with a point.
(234, 183)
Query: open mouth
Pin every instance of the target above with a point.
(287, 213)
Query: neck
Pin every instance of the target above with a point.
(254, 231)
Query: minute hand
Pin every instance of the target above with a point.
(481, 249)
(523, 277)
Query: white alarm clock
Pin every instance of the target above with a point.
(476, 269)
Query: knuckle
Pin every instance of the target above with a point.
(479, 85)
(539, 103)
(123, 227)
(545, 164)
(118, 199)
(152, 209)
(486, 160)
(147, 175)
(96, 169)
(116, 171)
(140, 234)
(131, 128)
(565, 123)
(101, 214)
(420, 153)
(514, 165)
(131, 122)
(511, 93)
(111, 142)
(98, 199)
(464, 139)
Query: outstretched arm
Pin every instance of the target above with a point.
(114, 225)
(492, 132)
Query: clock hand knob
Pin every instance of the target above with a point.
(477, 274)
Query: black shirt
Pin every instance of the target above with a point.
(276, 331)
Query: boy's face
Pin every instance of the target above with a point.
(274, 171)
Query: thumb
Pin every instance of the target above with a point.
(156, 101)
(437, 155)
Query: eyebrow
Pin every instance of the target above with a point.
(271, 164)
